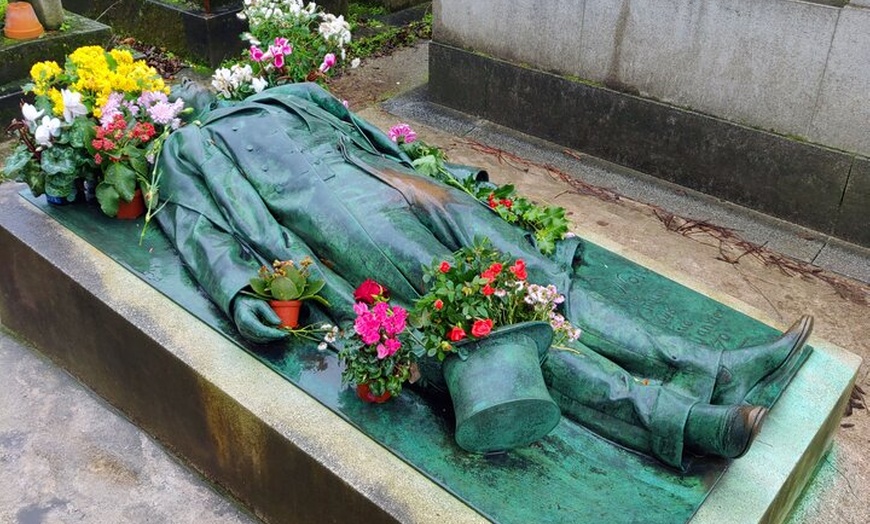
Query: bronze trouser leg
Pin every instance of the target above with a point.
(601, 396)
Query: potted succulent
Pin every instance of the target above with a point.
(491, 329)
(377, 357)
(286, 285)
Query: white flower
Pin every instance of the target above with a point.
(72, 105)
(50, 127)
(354, 63)
(30, 112)
(259, 84)
(321, 346)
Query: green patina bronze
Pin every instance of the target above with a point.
(291, 173)
(571, 475)
(500, 400)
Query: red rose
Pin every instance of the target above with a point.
(369, 291)
(492, 202)
(490, 273)
(519, 269)
(507, 203)
(487, 290)
(456, 334)
(444, 267)
(481, 328)
(439, 304)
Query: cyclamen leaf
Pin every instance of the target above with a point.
(57, 160)
(16, 161)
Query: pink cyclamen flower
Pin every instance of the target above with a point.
(388, 348)
(402, 133)
(256, 53)
(328, 62)
(281, 46)
(278, 60)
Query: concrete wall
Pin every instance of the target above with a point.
(797, 68)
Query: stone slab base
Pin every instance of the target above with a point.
(820, 188)
(272, 446)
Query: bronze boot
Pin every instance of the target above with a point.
(722, 431)
(746, 369)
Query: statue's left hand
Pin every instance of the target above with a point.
(256, 321)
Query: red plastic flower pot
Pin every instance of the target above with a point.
(287, 311)
(366, 395)
(132, 209)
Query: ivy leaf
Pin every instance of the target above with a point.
(427, 165)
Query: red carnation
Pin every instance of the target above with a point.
(481, 328)
(370, 292)
(456, 334)
(444, 267)
(487, 290)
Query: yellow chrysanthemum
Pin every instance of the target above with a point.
(43, 74)
(121, 56)
(56, 101)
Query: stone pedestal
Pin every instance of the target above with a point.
(49, 12)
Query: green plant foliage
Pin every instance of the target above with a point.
(287, 280)
(548, 224)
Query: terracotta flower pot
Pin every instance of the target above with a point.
(366, 395)
(21, 22)
(132, 209)
(287, 311)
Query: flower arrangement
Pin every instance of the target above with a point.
(97, 119)
(377, 357)
(481, 290)
(548, 224)
(126, 143)
(289, 41)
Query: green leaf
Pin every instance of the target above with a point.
(16, 162)
(123, 179)
(260, 287)
(81, 133)
(59, 160)
(284, 288)
(312, 288)
(427, 165)
(108, 198)
(35, 178)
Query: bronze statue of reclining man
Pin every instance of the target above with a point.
(291, 173)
